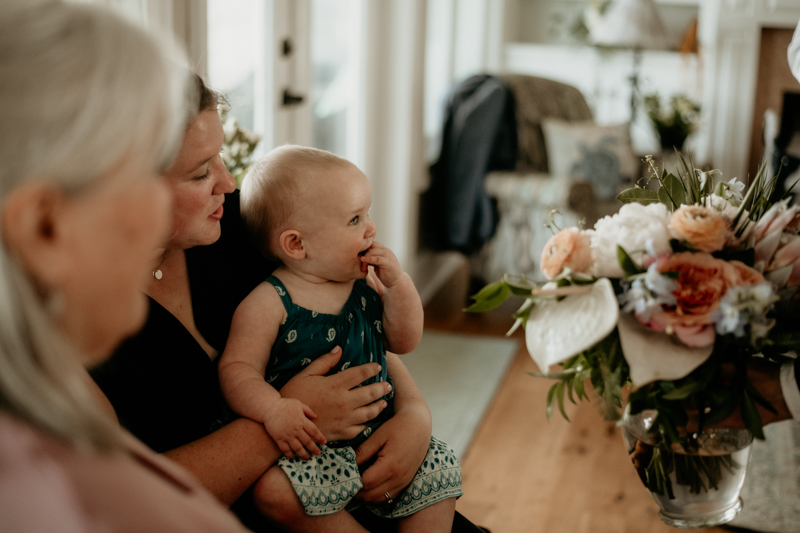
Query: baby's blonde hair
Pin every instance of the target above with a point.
(274, 187)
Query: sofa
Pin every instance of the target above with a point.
(565, 162)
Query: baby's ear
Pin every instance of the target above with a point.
(291, 244)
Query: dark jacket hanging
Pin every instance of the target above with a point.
(479, 135)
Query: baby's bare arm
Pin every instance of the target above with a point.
(241, 369)
(402, 308)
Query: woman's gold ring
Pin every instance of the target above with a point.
(388, 497)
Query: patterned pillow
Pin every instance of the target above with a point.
(601, 155)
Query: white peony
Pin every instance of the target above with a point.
(630, 228)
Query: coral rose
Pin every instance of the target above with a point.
(701, 282)
(702, 227)
(569, 248)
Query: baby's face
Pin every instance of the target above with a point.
(339, 229)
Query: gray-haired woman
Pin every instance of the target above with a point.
(92, 109)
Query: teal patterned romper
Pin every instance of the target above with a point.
(327, 483)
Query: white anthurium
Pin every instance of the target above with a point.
(655, 356)
(556, 331)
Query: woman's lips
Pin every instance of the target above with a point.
(216, 215)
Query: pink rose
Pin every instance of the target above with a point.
(569, 248)
(702, 227)
(691, 335)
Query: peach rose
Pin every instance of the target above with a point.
(745, 275)
(702, 227)
(569, 248)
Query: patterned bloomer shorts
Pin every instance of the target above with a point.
(327, 482)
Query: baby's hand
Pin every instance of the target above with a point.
(384, 262)
(288, 422)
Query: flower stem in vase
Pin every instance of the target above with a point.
(696, 482)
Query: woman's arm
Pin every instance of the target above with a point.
(231, 459)
(399, 446)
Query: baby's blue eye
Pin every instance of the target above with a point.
(354, 221)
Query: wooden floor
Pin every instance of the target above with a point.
(525, 474)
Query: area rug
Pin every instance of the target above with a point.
(771, 492)
(459, 375)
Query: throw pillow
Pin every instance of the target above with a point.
(601, 155)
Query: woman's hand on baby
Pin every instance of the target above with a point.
(398, 448)
(385, 264)
(342, 407)
(288, 422)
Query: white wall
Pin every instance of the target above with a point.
(603, 78)
(731, 36)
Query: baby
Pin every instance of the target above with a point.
(310, 210)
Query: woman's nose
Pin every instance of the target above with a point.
(226, 182)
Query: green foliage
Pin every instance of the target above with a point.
(700, 473)
(489, 297)
(238, 147)
(627, 264)
(639, 195)
(673, 191)
(605, 368)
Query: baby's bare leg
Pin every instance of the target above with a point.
(275, 498)
(434, 518)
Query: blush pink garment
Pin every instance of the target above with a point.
(46, 485)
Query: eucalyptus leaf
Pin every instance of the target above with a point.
(489, 297)
(519, 291)
(626, 263)
(550, 394)
(642, 196)
(683, 392)
(560, 400)
(671, 193)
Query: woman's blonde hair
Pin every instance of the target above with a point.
(81, 92)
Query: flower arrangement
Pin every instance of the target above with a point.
(673, 123)
(668, 300)
(237, 147)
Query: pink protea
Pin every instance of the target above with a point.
(777, 244)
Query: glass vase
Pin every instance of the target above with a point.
(696, 483)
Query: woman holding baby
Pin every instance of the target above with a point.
(163, 382)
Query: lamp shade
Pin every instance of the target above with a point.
(630, 24)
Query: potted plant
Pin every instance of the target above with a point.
(673, 122)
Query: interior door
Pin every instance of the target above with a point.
(258, 55)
